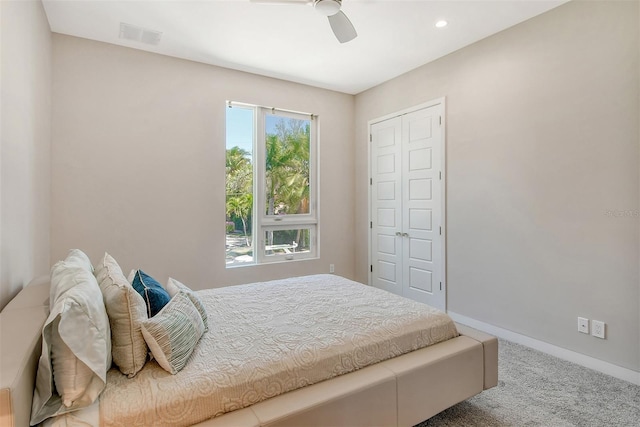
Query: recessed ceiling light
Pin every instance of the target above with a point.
(441, 24)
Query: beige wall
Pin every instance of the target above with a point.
(542, 141)
(138, 162)
(25, 129)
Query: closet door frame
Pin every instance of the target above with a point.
(442, 186)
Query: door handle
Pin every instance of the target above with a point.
(399, 234)
(405, 234)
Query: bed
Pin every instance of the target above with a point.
(421, 373)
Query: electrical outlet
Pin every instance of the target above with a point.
(598, 328)
(332, 268)
(583, 325)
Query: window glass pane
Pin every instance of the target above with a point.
(283, 242)
(287, 148)
(270, 170)
(239, 186)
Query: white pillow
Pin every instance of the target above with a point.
(173, 287)
(127, 310)
(76, 332)
(173, 333)
(75, 259)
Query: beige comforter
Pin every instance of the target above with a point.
(268, 338)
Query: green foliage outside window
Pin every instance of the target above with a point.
(287, 157)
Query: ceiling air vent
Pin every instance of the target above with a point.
(143, 35)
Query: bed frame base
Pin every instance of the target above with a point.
(403, 391)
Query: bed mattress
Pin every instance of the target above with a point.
(269, 338)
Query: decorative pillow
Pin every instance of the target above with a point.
(76, 335)
(70, 375)
(173, 333)
(75, 259)
(173, 287)
(152, 292)
(126, 310)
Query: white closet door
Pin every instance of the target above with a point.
(422, 206)
(386, 205)
(407, 198)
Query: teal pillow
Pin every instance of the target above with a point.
(152, 292)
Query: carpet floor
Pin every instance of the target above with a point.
(535, 389)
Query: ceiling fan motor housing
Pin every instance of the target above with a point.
(327, 7)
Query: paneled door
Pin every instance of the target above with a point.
(407, 200)
(386, 205)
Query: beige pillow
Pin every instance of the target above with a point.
(71, 376)
(127, 310)
(173, 287)
(173, 333)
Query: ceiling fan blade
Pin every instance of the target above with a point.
(342, 27)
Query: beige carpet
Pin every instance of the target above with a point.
(535, 389)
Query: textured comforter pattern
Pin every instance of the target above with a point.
(268, 338)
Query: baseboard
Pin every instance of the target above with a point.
(562, 353)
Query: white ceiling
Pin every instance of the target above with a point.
(294, 42)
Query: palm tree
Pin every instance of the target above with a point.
(287, 170)
(237, 158)
(239, 186)
(287, 167)
(241, 207)
(239, 171)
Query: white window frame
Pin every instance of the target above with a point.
(261, 222)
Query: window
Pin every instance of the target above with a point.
(271, 185)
